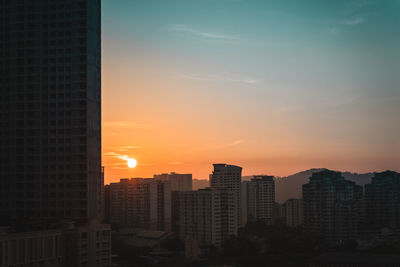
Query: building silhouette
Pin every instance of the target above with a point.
(50, 152)
(258, 198)
(331, 206)
(140, 203)
(293, 212)
(382, 201)
(228, 177)
(208, 216)
(28, 244)
(179, 182)
(50, 123)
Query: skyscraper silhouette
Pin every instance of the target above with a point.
(228, 177)
(331, 206)
(50, 131)
(258, 198)
(50, 117)
(382, 201)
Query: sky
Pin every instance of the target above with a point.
(273, 86)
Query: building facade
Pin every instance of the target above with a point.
(141, 203)
(39, 248)
(229, 177)
(382, 201)
(179, 182)
(293, 212)
(331, 206)
(258, 198)
(50, 115)
(50, 110)
(208, 216)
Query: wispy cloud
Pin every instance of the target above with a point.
(353, 21)
(128, 148)
(336, 26)
(119, 165)
(123, 124)
(236, 142)
(179, 162)
(222, 77)
(220, 146)
(355, 6)
(332, 31)
(183, 28)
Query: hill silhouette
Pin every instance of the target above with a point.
(291, 186)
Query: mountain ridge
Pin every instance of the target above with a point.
(290, 186)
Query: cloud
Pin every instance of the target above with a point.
(220, 146)
(353, 21)
(183, 28)
(236, 142)
(223, 77)
(332, 31)
(118, 156)
(127, 148)
(123, 124)
(179, 162)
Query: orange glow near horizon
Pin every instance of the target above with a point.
(170, 122)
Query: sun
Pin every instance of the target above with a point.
(131, 163)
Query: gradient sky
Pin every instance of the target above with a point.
(273, 86)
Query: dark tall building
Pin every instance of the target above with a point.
(50, 131)
(50, 117)
(208, 216)
(331, 206)
(140, 203)
(258, 199)
(228, 177)
(382, 201)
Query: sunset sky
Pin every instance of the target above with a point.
(273, 86)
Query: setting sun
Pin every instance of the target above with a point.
(131, 163)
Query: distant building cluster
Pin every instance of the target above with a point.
(202, 218)
(338, 210)
(332, 208)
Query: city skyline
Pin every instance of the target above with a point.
(274, 87)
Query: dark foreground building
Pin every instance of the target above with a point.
(382, 201)
(50, 115)
(343, 259)
(331, 207)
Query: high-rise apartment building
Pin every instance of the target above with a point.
(331, 206)
(50, 121)
(179, 182)
(228, 177)
(382, 201)
(50, 117)
(293, 212)
(208, 216)
(140, 203)
(258, 198)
